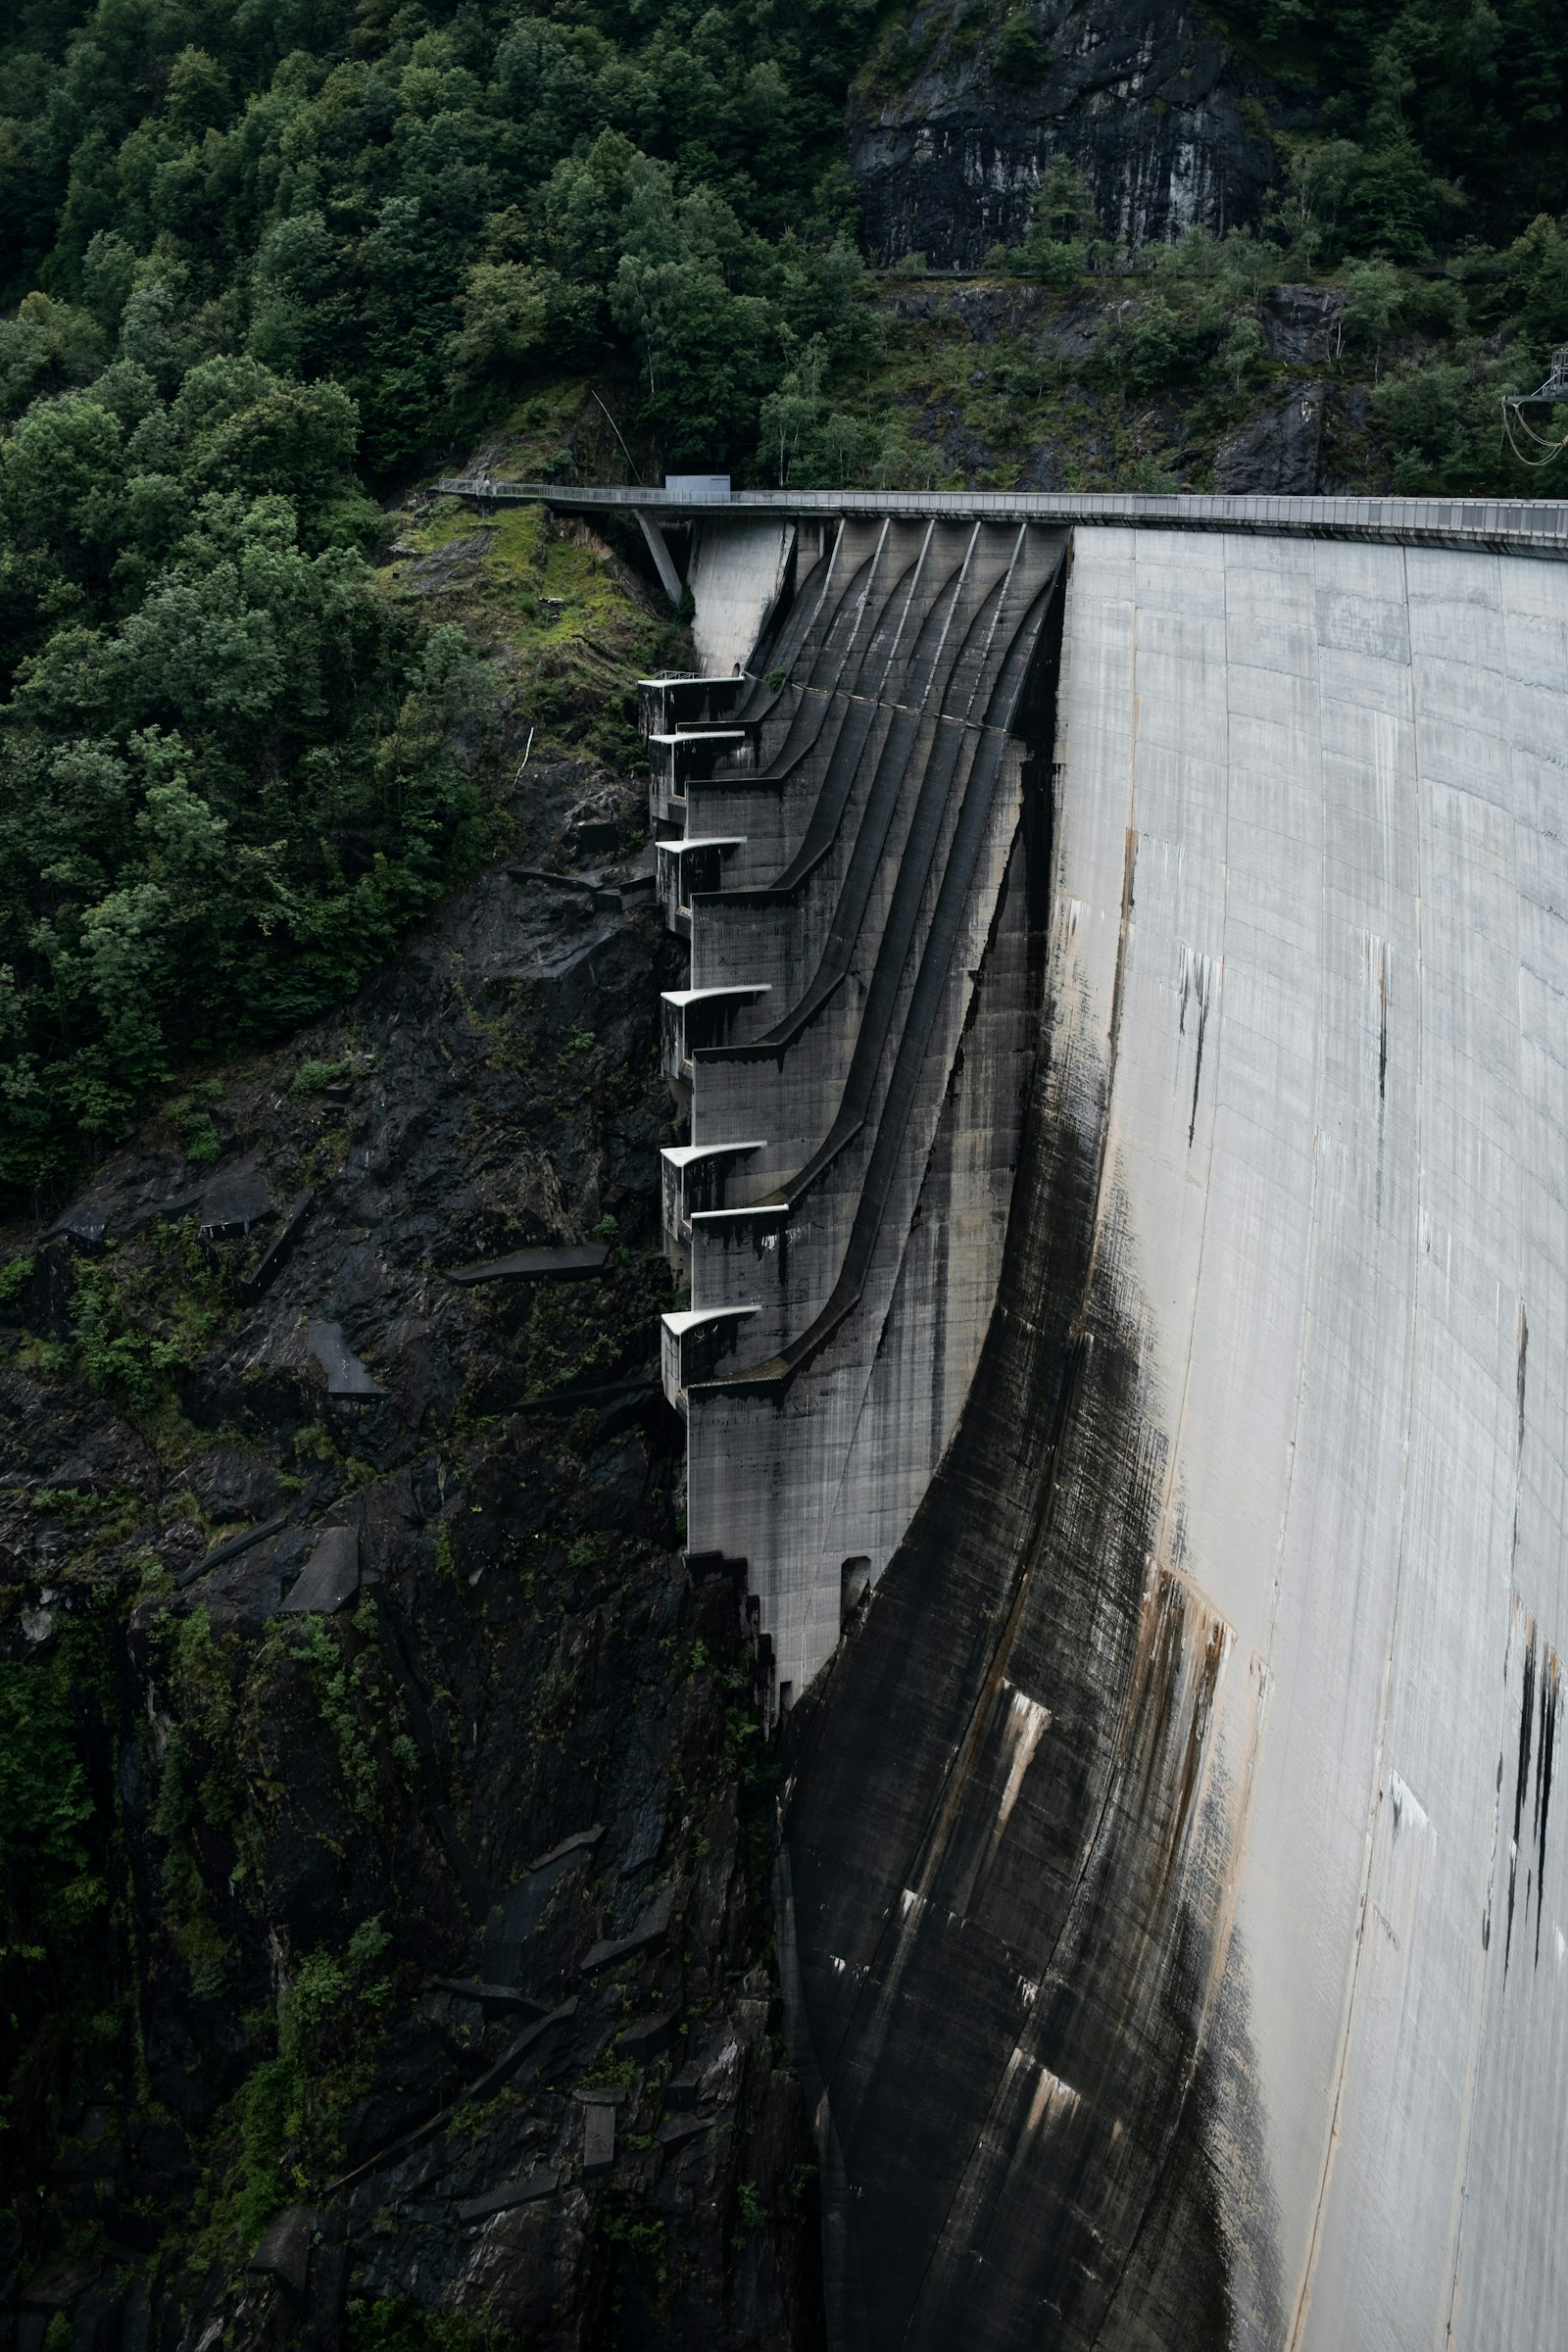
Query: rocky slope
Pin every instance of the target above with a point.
(387, 1954)
(1005, 383)
(955, 121)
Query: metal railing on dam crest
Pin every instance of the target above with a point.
(1536, 526)
(1123, 1203)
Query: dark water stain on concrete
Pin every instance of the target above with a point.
(1540, 1704)
(1550, 1702)
(1008, 1841)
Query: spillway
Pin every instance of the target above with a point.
(845, 847)
(1127, 1061)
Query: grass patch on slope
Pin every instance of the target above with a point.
(567, 627)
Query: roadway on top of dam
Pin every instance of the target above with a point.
(1517, 526)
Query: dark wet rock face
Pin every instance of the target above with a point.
(414, 1849)
(1303, 325)
(1279, 450)
(950, 141)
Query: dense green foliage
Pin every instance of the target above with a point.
(414, 199)
(249, 248)
(224, 783)
(1429, 123)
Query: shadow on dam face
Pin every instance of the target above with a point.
(1010, 1838)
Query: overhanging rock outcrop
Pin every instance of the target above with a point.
(1145, 98)
(1162, 1384)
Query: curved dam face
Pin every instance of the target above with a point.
(1153, 1504)
(1178, 1896)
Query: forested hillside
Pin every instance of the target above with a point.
(264, 263)
(261, 257)
(1445, 118)
(426, 204)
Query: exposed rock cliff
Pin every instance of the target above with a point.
(1005, 383)
(947, 138)
(384, 1903)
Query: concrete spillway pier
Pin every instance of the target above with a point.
(844, 848)
(1166, 1545)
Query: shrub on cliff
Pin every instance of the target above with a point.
(225, 782)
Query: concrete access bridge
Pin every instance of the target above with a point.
(1125, 1213)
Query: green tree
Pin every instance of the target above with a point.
(46, 347)
(805, 440)
(1318, 177)
(1535, 283)
(1421, 409)
(1372, 297)
(108, 276)
(1059, 246)
(1396, 204)
(705, 351)
(1141, 345)
(504, 313)
(1019, 55)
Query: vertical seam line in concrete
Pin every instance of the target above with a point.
(1478, 2033)
(1303, 2299)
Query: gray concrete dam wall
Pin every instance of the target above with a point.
(1177, 1893)
(1127, 1062)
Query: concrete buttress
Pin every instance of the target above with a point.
(842, 833)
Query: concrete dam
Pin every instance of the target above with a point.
(1124, 1227)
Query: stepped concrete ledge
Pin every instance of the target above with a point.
(1133, 1372)
(705, 735)
(693, 1177)
(684, 1155)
